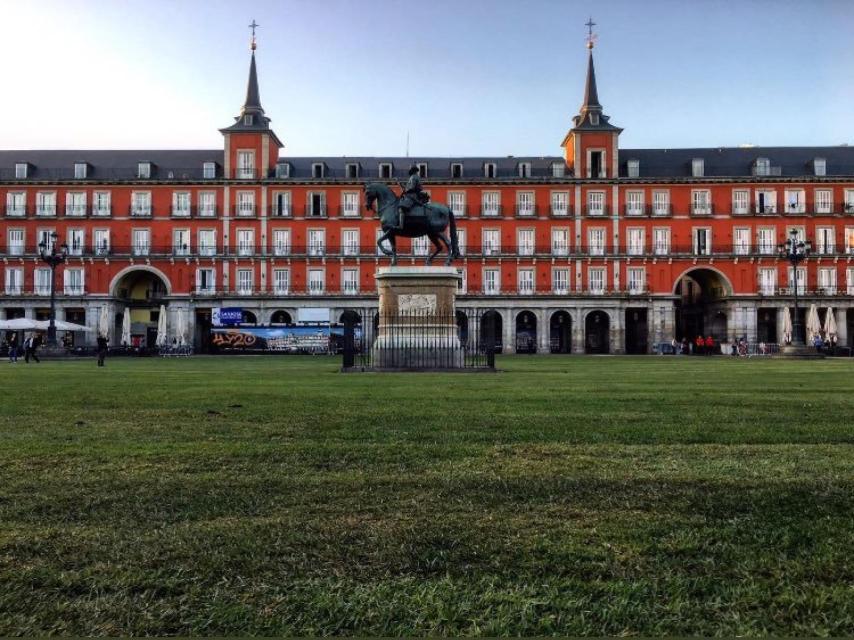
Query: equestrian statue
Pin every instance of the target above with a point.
(411, 215)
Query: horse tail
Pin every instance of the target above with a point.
(455, 247)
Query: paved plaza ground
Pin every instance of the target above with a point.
(273, 495)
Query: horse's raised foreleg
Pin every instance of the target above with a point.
(388, 235)
(434, 238)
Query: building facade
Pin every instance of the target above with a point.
(599, 249)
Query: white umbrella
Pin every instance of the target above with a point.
(19, 324)
(181, 328)
(162, 337)
(787, 325)
(104, 322)
(813, 323)
(126, 328)
(830, 329)
(61, 325)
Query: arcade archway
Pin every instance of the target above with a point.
(701, 292)
(142, 290)
(491, 331)
(560, 332)
(526, 332)
(281, 317)
(597, 328)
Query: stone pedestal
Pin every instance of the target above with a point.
(417, 319)
(800, 351)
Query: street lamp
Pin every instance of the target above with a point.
(53, 259)
(795, 251)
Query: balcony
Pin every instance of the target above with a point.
(74, 290)
(14, 289)
(560, 250)
(101, 211)
(315, 212)
(280, 212)
(16, 211)
(246, 173)
(662, 210)
(350, 288)
(206, 211)
(560, 212)
(765, 209)
(181, 212)
(491, 249)
(702, 209)
(490, 211)
(526, 210)
(75, 210)
(595, 210)
(181, 249)
(635, 210)
(349, 211)
(460, 210)
(140, 249)
(243, 210)
(740, 209)
(140, 211)
(204, 291)
(46, 210)
(316, 249)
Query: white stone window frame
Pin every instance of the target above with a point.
(557, 194)
(281, 248)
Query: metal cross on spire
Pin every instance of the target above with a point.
(591, 37)
(253, 26)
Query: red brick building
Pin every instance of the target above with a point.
(599, 249)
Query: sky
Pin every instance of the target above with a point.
(461, 77)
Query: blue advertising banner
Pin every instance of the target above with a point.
(316, 339)
(224, 316)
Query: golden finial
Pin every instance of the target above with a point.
(253, 26)
(591, 37)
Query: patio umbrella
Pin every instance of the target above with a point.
(104, 322)
(813, 323)
(181, 328)
(787, 325)
(18, 324)
(162, 337)
(830, 325)
(126, 328)
(61, 325)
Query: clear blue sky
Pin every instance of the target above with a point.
(464, 77)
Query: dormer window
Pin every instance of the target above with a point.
(351, 170)
(820, 166)
(80, 170)
(594, 119)
(633, 167)
(489, 170)
(143, 170)
(21, 170)
(422, 169)
(385, 170)
(762, 167)
(247, 120)
(456, 169)
(283, 170)
(524, 169)
(698, 167)
(558, 169)
(318, 170)
(209, 170)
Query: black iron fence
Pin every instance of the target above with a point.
(420, 340)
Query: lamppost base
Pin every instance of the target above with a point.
(801, 351)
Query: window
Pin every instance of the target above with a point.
(525, 242)
(181, 242)
(741, 242)
(181, 204)
(247, 120)
(283, 170)
(595, 203)
(101, 242)
(849, 240)
(824, 201)
(701, 202)
(350, 203)
(702, 242)
(16, 204)
(560, 242)
(282, 204)
(762, 167)
(489, 170)
(140, 203)
(317, 204)
(318, 170)
(420, 246)
(281, 281)
(207, 242)
(802, 279)
(101, 205)
(635, 245)
(422, 169)
(45, 237)
(80, 170)
(698, 168)
(849, 201)
(636, 277)
(525, 203)
(491, 242)
(244, 282)
(634, 203)
(143, 170)
(795, 201)
(820, 166)
(766, 240)
(491, 203)
(351, 170)
(42, 282)
(849, 279)
(596, 280)
(75, 242)
(661, 241)
(825, 242)
(315, 281)
(827, 280)
(456, 169)
(14, 280)
(461, 241)
(560, 281)
(596, 164)
(246, 203)
(596, 241)
(208, 170)
(281, 242)
(457, 203)
(350, 281)
(766, 201)
(379, 234)
(21, 170)
(45, 203)
(462, 283)
(73, 281)
(207, 204)
(245, 242)
(245, 164)
(633, 167)
(15, 242)
(560, 203)
(740, 201)
(526, 281)
(75, 204)
(205, 280)
(350, 242)
(524, 169)
(558, 169)
(491, 281)
(385, 170)
(767, 281)
(660, 203)
(316, 242)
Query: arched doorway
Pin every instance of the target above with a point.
(526, 332)
(766, 326)
(491, 331)
(719, 327)
(597, 327)
(560, 332)
(353, 317)
(281, 317)
(462, 326)
(637, 330)
(701, 291)
(142, 290)
(248, 317)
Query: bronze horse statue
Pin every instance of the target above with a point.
(429, 220)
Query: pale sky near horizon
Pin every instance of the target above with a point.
(341, 77)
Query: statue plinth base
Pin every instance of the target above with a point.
(417, 319)
(800, 351)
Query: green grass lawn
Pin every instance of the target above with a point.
(564, 495)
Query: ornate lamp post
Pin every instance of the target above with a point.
(795, 251)
(53, 259)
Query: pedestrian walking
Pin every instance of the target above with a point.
(30, 346)
(102, 350)
(710, 345)
(13, 347)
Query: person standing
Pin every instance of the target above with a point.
(698, 344)
(102, 350)
(13, 347)
(30, 347)
(710, 345)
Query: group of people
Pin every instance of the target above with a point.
(699, 346)
(30, 346)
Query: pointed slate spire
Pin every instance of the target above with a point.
(591, 115)
(591, 95)
(252, 105)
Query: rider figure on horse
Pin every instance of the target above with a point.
(413, 195)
